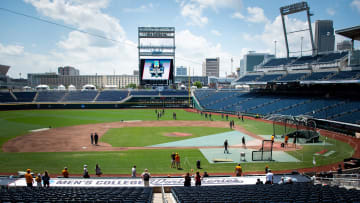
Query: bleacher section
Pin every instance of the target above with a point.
(270, 78)
(248, 78)
(24, 96)
(346, 75)
(174, 93)
(6, 97)
(278, 62)
(74, 96)
(50, 96)
(305, 60)
(145, 93)
(112, 95)
(256, 103)
(319, 75)
(293, 77)
(76, 194)
(298, 192)
(332, 57)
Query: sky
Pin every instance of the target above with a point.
(204, 28)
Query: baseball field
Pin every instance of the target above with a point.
(51, 139)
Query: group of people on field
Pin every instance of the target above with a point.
(94, 137)
(175, 160)
(41, 180)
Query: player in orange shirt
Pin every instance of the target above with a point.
(177, 160)
(29, 178)
(238, 170)
(286, 140)
(65, 172)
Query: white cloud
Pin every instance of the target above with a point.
(356, 4)
(88, 53)
(193, 49)
(256, 15)
(140, 9)
(193, 9)
(85, 15)
(237, 15)
(11, 49)
(330, 11)
(216, 32)
(195, 13)
(216, 4)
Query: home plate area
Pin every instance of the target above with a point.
(217, 155)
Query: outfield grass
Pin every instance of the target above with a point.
(17, 123)
(146, 136)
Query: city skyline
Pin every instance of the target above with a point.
(204, 29)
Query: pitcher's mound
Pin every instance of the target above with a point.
(177, 134)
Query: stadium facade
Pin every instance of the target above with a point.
(53, 80)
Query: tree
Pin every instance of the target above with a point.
(131, 85)
(198, 84)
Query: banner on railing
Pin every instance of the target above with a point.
(137, 182)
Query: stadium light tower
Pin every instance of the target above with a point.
(291, 9)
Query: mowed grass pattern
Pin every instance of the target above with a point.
(17, 123)
(145, 136)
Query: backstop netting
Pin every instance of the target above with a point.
(265, 152)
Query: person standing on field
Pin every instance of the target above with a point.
(96, 138)
(92, 138)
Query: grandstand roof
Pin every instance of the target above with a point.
(352, 32)
(4, 69)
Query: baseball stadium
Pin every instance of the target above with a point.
(293, 119)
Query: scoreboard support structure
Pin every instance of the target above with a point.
(156, 43)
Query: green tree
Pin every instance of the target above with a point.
(131, 85)
(198, 84)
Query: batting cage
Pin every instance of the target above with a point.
(265, 152)
(300, 128)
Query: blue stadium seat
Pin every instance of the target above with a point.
(248, 78)
(269, 78)
(298, 192)
(319, 75)
(80, 96)
(145, 92)
(76, 194)
(112, 95)
(293, 77)
(6, 97)
(346, 75)
(25, 96)
(50, 96)
(278, 62)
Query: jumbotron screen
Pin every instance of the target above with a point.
(156, 69)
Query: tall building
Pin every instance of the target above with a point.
(242, 68)
(253, 59)
(324, 36)
(344, 45)
(181, 71)
(68, 70)
(211, 67)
